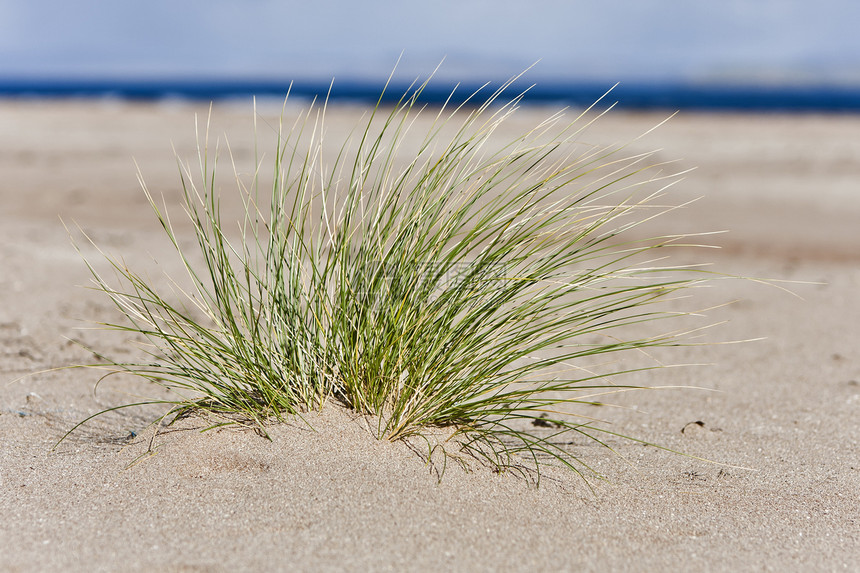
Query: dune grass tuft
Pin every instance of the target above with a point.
(467, 286)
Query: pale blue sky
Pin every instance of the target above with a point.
(751, 40)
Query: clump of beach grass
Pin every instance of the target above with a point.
(469, 286)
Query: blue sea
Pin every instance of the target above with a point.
(631, 96)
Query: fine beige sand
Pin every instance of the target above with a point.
(783, 414)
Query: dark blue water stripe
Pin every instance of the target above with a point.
(629, 95)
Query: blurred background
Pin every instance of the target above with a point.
(779, 54)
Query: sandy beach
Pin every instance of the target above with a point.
(782, 414)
